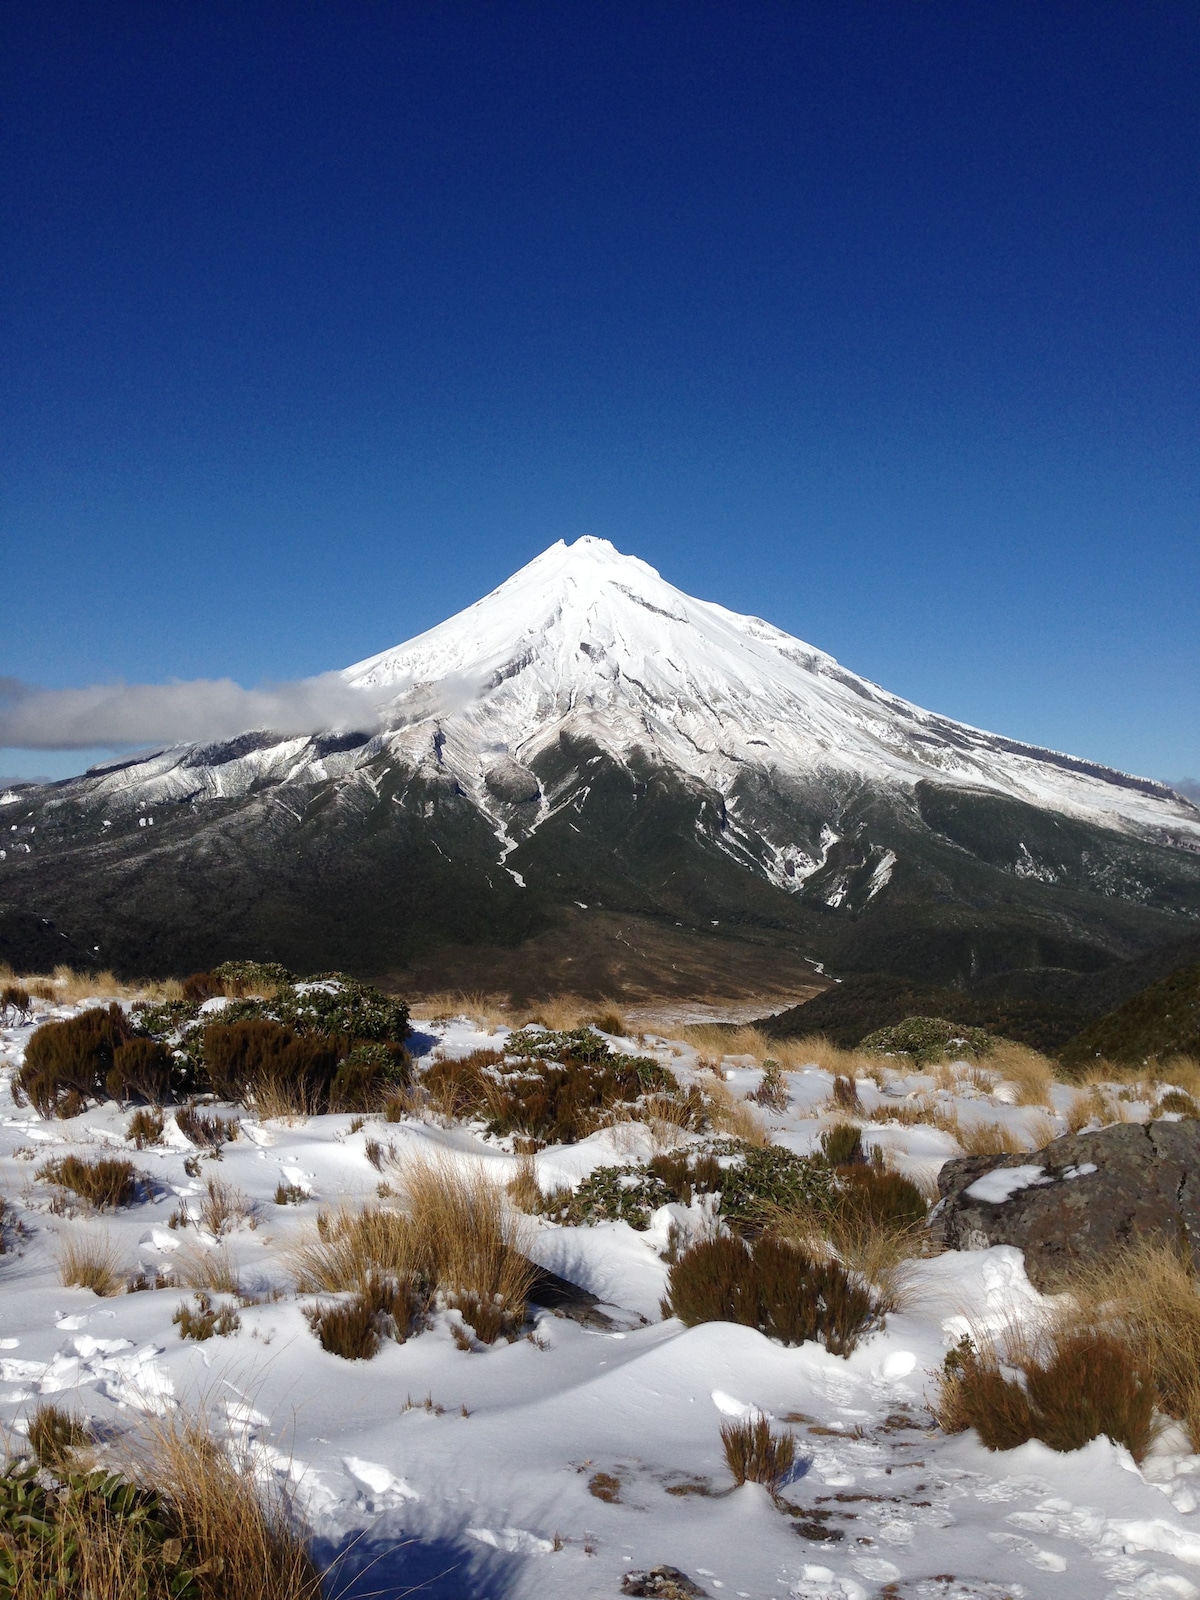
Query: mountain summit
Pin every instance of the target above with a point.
(591, 780)
(587, 642)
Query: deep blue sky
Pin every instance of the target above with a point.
(879, 320)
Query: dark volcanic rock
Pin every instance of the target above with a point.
(1080, 1198)
(666, 1583)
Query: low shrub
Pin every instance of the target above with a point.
(145, 1128)
(842, 1145)
(772, 1092)
(772, 1285)
(845, 1094)
(141, 1070)
(103, 1183)
(252, 977)
(756, 1455)
(565, 1086)
(222, 1207)
(757, 1182)
(206, 1320)
(289, 1194)
(1074, 1385)
(263, 1060)
(202, 986)
(67, 1063)
(875, 1197)
(923, 1040)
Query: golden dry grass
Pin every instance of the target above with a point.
(1148, 1293)
(91, 1261)
(223, 1207)
(735, 1117)
(66, 986)
(207, 1269)
(239, 1524)
(1030, 1073)
(455, 1232)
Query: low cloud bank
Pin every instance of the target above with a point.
(200, 711)
(1188, 787)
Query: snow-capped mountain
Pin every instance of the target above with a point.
(593, 643)
(589, 739)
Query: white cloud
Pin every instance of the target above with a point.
(1188, 787)
(202, 710)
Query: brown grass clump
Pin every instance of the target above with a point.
(205, 1320)
(469, 1246)
(1148, 1294)
(207, 1269)
(145, 1127)
(981, 1137)
(104, 1183)
(381, 1308)
(67, 1063)
(182, 1518)
(223, 1207)
(773, 1285)
(207, 1132)
(756, 1455)
(55, 1435)
(91, 1262)
(1080, 1382)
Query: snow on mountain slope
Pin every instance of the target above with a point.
(587, 641)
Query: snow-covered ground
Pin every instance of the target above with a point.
(468, 1471)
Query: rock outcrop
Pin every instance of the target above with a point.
(1080, 1199)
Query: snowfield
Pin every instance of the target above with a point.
(470, 1472)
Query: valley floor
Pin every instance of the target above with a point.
(555, 1465)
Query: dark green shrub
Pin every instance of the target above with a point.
(773, 1286)
(927, 1039)
(370, 1072)
(67, 1063)
(251, 977)
(100, 1183)
(141, 1070)
(757, 1182)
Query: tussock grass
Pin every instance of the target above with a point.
(55, 1435)
(734, 1117)
(67, 986)
(207, 1269)
(205, 1320)
(454, 1233)
(181, 1517)
(239, 1524)
(1030, 1073)
(382, 1308)
(91, 1261)
(103, 1184)
(754, 1454)
(223, 1207)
